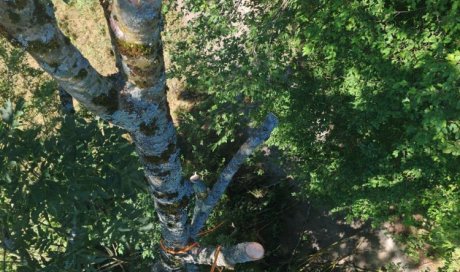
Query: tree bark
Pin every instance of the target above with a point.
(207, 205)
(136, 28)
(226, 257)
(32, 25)
(135, 100)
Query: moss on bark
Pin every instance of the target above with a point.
(41, 47)
(134, 50)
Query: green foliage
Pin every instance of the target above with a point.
(72, 196)
(367, 93)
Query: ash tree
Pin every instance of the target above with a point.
(134, 99)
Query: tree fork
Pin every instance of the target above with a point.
(135, 100)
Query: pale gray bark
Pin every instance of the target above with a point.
(227, 257)
(135, 100)
(258, 137)
(136, 29)
(31, 24)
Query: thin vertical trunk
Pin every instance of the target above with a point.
(136, 28)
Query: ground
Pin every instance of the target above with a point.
(308, 230)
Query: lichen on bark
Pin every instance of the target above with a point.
(134, 99)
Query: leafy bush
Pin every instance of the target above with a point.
(367, 94)
(72, 196)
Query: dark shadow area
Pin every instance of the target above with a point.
(367, 96)
(74, 194)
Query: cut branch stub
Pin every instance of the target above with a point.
(228, 257)
(254, 251)
(199, 188)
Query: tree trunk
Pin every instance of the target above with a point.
(135, 100)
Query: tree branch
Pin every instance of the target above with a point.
(227, 257)
(32, 25)
(136, 27)
(259, 136)
(107, 8)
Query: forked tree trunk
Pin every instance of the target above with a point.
(135, 100)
